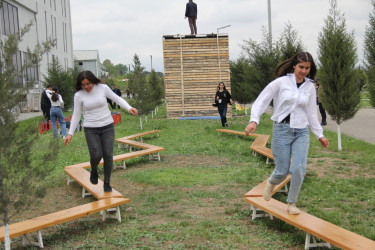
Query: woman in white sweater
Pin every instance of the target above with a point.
(294, 110)
(56, 112)
(91, 97)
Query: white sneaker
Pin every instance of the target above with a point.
(64, 137)
(267, 192)
(292, 209)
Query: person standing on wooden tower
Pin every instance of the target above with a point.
(191, 13)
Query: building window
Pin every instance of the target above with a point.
(9, 16)
(80, 63)
(31, 71)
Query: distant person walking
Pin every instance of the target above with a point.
(319, 103)
(91, 97)
(222, 98)
(117, 92)
(45, 103)
(191, 13)
(56, 112)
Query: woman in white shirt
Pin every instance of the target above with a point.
(294, 110)
(56, 112)
(91, 97)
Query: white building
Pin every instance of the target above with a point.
(51, 19)
(89, 60)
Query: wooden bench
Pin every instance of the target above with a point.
(258, 192)
(26, 227)
(313, 226)
(82, 177)
(258, 146)
(130, 137)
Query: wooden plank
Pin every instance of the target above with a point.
(82, 177)
(45, 221)
(322, 229)
(258, 190)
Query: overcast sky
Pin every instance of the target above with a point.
(118, 29)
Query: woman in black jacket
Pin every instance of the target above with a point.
(222, 99)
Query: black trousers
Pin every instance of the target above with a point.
(100, 142)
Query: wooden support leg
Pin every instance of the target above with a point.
(314, 242)
(28, 240)
(255, 153)
(84, 193)
(123, 166)
(69, 180)
(117, 215)
(258, 215)
(154, 156)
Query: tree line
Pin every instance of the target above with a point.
(339, 76)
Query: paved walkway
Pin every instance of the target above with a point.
(361, 126)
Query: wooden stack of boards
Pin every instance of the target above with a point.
(193, 68)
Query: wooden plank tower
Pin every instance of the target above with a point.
(193, 68)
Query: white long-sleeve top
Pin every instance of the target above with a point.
(58, 103)
(95, 108)
(300, 103)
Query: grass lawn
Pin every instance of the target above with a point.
(194, 197)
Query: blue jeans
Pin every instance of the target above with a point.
(56, 113)
(223, 114)
(100, 142)
(290, 147)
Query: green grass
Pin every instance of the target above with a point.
(193, 198)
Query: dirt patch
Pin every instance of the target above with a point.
(340, 168)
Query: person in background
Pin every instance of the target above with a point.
(191, 12)
(117, 92)
(294, 111)
(45, 103)
(91, 97)
(56, 112)
(222, 98)
(321, 108)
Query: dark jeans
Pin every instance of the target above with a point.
(100, 142)
(322, 112)
(193, 25)
(223, 114)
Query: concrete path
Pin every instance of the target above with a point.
(25, 116)
(361, 126)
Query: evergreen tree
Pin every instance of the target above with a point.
(20, 179)
(263, 59)
(63, 80)
(337, 56)
(140, 89)
(156, 88)
(289, 42)
(369, 46)
(239, 72)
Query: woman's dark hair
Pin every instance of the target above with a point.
(55, 96)
(287, 66)
(87, 74)
(218, 87)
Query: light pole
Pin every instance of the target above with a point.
(151, 61)
(218, 50)
(269, 22)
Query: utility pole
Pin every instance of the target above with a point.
(269, 22)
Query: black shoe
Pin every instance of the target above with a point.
(323, 123)
(107, 187)
(226, 125)
(94, 177)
